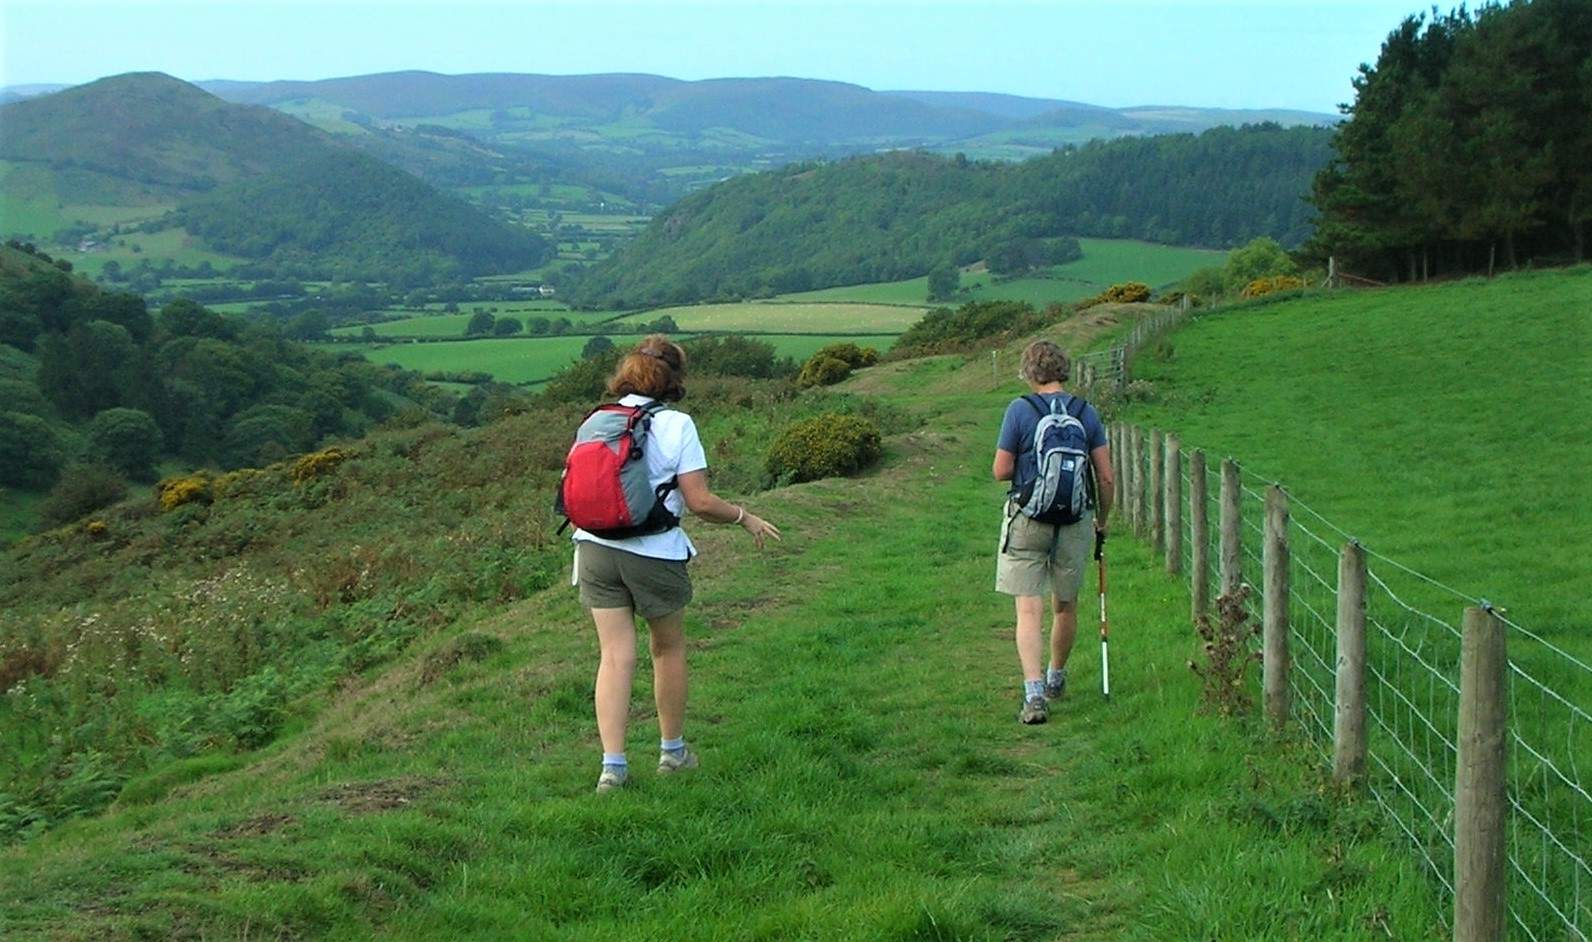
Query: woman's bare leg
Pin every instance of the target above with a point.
(1030, 638)
(667, 637)
(616, 636)
(1063, 631)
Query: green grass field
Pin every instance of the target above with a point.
(508, 360)
(801, 318)
(863, 777)
(452, 325)
(530, 360)
(1445, 425)
(38, 201)
(174, 244)
(1105, 262)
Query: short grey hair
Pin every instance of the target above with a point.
(1045, 362)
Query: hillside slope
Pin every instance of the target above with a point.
(1445, 425)
(897, 215)
(873, 785)
(150, 142)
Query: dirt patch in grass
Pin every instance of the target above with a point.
(257, 825)
(380, 795)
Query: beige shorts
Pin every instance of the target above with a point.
(610, 578)
(1041, 558)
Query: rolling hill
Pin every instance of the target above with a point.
(894, 216)
(666, 137)
(134, 147)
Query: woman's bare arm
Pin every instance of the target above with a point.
(1005, 465)
(700, 500)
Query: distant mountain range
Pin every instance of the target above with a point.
(659, 137)
(225, 161)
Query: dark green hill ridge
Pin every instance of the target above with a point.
(257, 183)
(897, 215)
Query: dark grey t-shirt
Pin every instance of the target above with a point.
(1017, 432)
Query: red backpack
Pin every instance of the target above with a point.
(606, 490)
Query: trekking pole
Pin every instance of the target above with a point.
(1105, 659)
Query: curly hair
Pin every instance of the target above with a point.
(656, 368)
(1044, 362)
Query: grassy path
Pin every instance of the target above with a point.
(864, 777)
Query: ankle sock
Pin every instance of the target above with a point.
(673, 747)
(1056, 675)
(615, 762)
(1033, 688)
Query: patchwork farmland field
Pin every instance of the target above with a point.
(761, 317)
(452, 325)
(1105, 262)
(531, 360)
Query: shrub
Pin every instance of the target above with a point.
(23, 397)
(732, 355)
(823, 370)
(1130, 292)
(856, 357)
(583, 381)
(1273, 283)
(81, 491)
(30, 454)
(127, 440)
(318, 464)
(824, 446)
(1260, 258)
(174, 492)
(943, 330)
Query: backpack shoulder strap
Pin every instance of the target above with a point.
(1080, 403)
(1035, 403)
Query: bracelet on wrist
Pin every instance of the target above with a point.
(741, 516)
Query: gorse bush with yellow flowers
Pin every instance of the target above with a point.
(824, 446)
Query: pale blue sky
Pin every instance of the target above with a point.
(1218, 53)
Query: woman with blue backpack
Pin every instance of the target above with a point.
(1053, 450)
(636, 466)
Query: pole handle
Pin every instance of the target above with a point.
(1100, 544)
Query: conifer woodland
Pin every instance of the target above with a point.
(1467, 146)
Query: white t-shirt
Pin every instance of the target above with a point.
(673, 448)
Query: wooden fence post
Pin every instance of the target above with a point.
(1232, 524)
(1125, 492)
(1115, 438)
(1140, 481)
(1480, 799)
(1274, 613)
(1199, 535)
(1348, 725)
(1173, 512)
(1157, 496)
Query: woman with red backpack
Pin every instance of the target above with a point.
(635, 468)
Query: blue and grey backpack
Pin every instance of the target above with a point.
(1061, 493)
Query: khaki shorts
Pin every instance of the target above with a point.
(611, 578)
(1041, 558)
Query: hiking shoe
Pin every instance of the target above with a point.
(670, 763)
(1035, 711)
(610, 781)
(1053, 691)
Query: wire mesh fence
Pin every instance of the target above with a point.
(1413, 643)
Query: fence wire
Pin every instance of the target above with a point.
(1412, 697)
